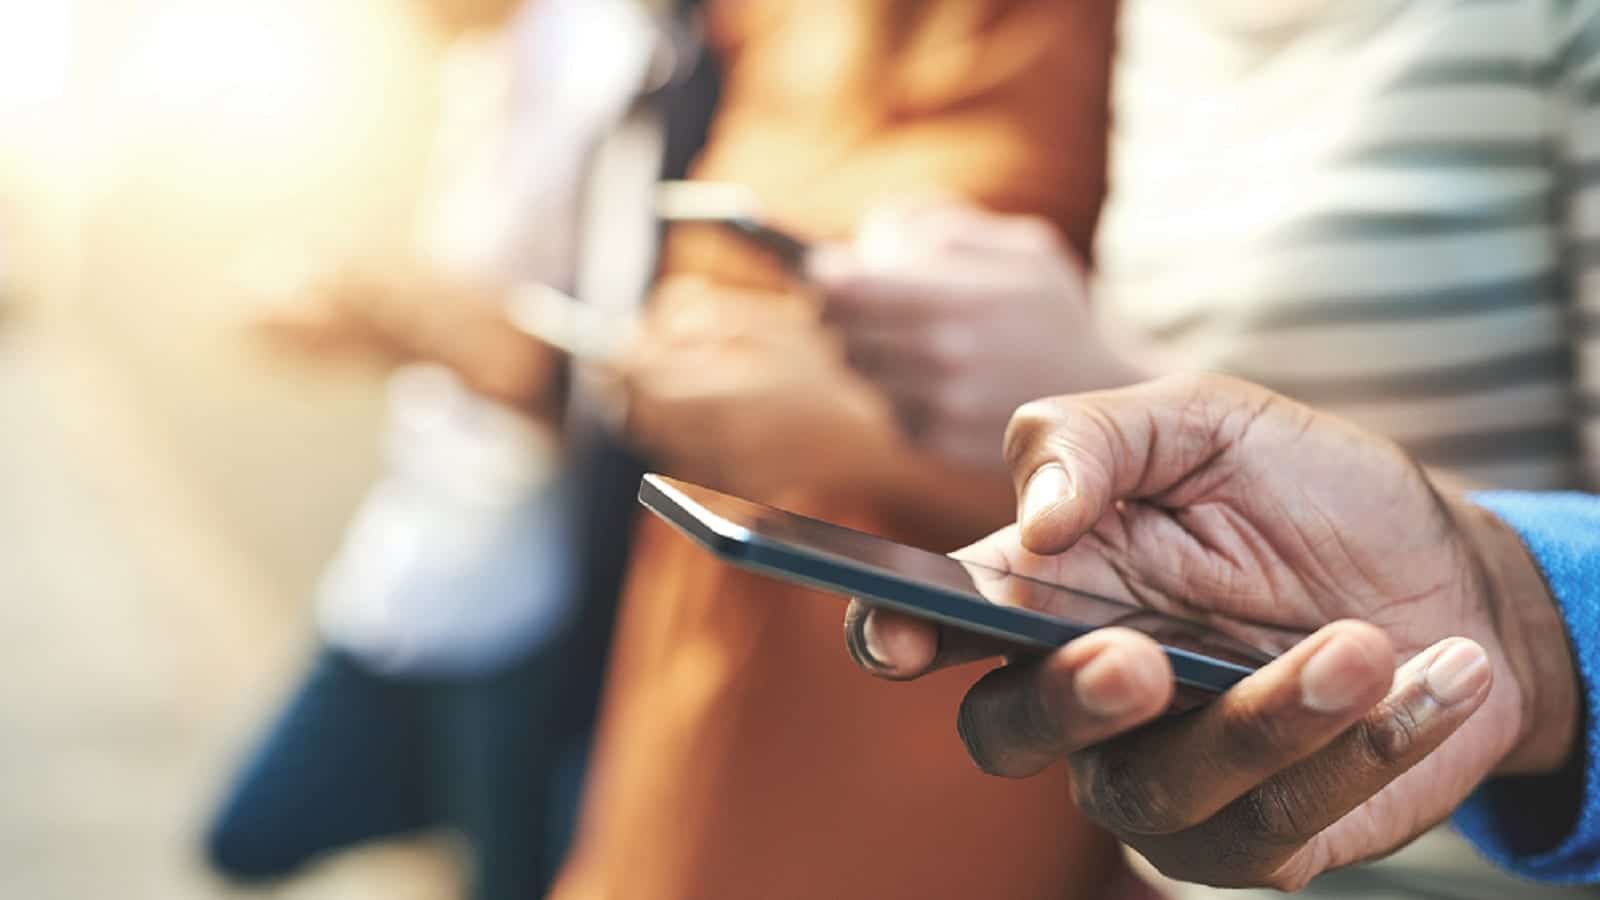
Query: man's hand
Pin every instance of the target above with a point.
(1435, 655)
(961, 316)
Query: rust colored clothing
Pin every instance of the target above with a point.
(742, 754)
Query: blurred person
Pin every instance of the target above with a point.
(1383, 252)
(1406, 244)
(733, 737)
(1424, 662)
(444, 693)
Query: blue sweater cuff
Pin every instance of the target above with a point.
(1548, 827)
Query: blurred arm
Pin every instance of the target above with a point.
(1002, 103)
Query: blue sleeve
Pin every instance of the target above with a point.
(1548, 827)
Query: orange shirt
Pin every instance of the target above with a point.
(742, 755)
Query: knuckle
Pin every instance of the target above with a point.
(1097, 438)
(1037, 415)
(1029, 426)
(1271, 816)
(1214, 410)
(1257, 738)
(1124, 799)
(1205, 396)
(1389, 735)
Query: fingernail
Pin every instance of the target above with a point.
(1048, 486)
(872, 642)
(1104, 688)
(1457, 674)
(1329, 682)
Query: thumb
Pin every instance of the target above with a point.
(1074, 458)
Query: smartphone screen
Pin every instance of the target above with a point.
(955, 592)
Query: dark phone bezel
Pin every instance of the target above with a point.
(1029, 631)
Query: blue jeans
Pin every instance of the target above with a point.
(356, 757)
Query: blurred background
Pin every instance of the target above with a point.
(172, 490)
(169, 492)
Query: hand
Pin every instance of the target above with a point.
(418, 317)
(747, 392)
(961, 318)
(1435, 658)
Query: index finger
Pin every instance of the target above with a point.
(1297, 823)
(1143, 784)
(1073, 458)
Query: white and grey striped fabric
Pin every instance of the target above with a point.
(1387, 208)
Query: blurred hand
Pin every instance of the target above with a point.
(417, 317)
(1435, 657)
(749, 393)
(961, 316)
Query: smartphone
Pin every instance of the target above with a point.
(732, 208)
(941, 589)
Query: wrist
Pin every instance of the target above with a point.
(1533, 635)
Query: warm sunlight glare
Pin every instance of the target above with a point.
(35, 60)
(229, 69)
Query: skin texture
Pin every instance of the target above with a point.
(1418, 643)
(960, 316)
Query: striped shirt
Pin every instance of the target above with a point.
(1388, 209)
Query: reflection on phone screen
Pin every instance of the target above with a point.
(971, 579)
